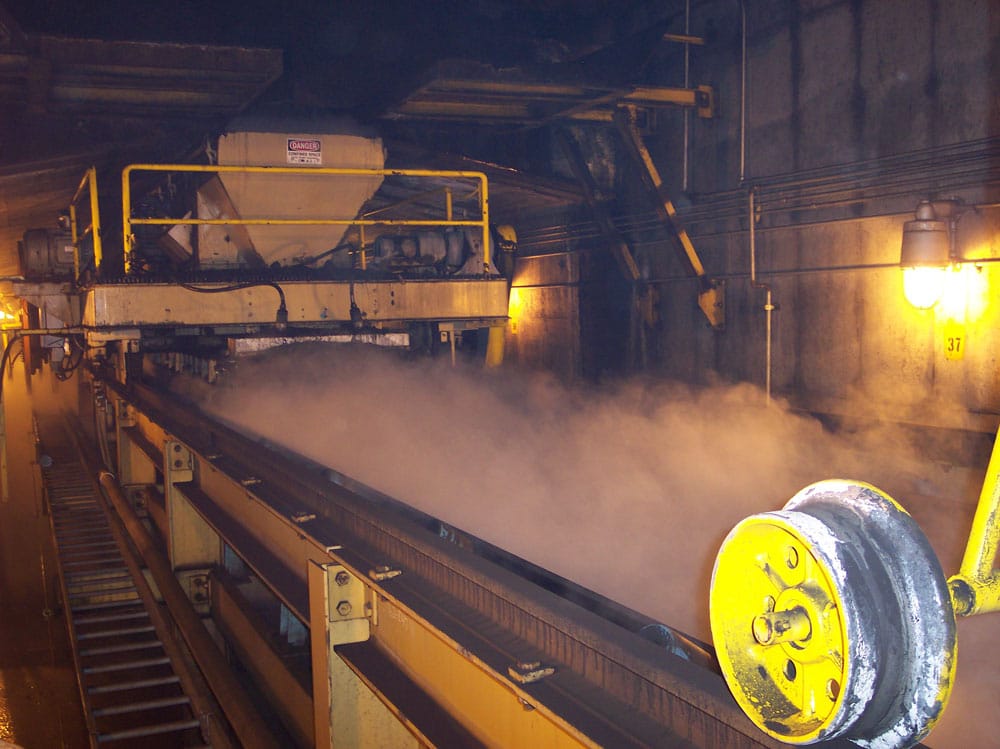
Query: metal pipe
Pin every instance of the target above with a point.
(743, 92)
(243, 715)
(768, 305)
(976, 588)
(687, 84)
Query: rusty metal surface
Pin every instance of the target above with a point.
(616, 687)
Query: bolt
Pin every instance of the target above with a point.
(342, 578)
(774, 627)
(344, 608)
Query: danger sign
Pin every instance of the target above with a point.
(305, 151)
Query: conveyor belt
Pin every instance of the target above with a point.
(131, 692)
(276, 510)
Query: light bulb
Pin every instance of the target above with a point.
(922, 286)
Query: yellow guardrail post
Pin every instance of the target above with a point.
(976, 587)
(484, 204)
(89, 184)
(128, 238)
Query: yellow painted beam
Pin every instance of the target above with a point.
(131, 305)
(976, 588)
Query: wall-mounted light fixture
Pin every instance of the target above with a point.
(928, 250)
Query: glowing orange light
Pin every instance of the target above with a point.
(923, 285)
(517, 304)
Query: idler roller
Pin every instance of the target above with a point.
(832, 618)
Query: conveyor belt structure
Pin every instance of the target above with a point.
(281, 512)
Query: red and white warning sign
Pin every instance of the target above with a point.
(305, 151)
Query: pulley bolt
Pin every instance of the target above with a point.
(344, 608)
(774, 627)
(342, 578)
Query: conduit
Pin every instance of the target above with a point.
(940, 170)
(743, 92)
(768, 305)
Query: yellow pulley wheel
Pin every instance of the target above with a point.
(832, 618)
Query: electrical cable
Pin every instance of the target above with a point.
(942, 170)
(4, 360)
(281, 316)
(65, 371)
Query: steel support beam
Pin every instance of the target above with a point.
(711, 297)
(128, 306)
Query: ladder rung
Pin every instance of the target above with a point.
(115, 632)
(111, 573)
(67, 517)
(104, 605)
(83, 621)
(99, 586)
(124, 686)
(105, 540)
(81, 535)
(79, 528)
(125, 648)
(83, 562)
(126, 665)
(69, 502)
(134, 707)
(137, 733)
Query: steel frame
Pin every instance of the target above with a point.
(439, 662)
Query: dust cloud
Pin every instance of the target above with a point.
(627, 489)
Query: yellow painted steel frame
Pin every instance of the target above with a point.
(976, 587)
(349, 710)
(88, 186)
(711, 299)
(128, 221)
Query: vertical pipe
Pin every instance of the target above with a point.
(768, 305)
(687, 84)
(743, 91)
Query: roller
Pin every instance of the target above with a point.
(832, 618)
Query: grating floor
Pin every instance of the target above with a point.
(131, 693)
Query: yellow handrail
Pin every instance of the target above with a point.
(976, 587)
(128, 236)
(89, 184)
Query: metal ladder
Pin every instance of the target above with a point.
(131, 694)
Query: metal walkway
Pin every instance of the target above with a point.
(132, 695)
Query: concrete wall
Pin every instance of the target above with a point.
(857, 110)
